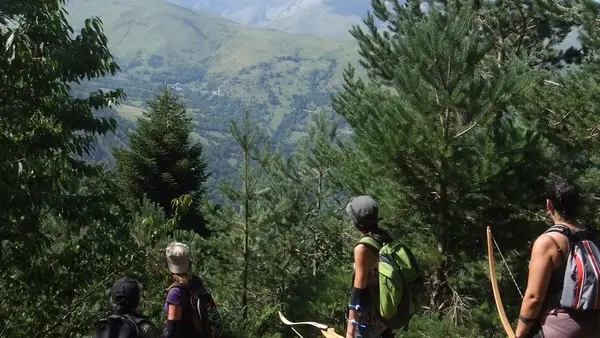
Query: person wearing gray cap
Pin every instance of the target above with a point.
(363, 322)
(125, 321)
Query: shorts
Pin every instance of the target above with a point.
(375, 329)
(558, 323)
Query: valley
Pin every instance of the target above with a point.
(219, 67)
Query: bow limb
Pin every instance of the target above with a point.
(499, 305)
(327, 331)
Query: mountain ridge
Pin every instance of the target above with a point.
(320, 18)
(125, 21)
(219, 67)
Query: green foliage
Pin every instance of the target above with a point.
(220, 68)
(452, 120)
(237, 227)
(162, 163)
(39, 119)
(445, 96)
(460, 119)
(43, 133)
(276, 240)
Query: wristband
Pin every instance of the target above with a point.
(357, 323)
(526, 320)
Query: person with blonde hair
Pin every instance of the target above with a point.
(189, 307)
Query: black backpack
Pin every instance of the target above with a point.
(118, 326)
(201, 311)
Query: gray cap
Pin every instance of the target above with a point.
(363, 210)
(178, 258)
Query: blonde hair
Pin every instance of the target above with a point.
(180, 278)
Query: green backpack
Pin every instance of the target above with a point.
(401, 283)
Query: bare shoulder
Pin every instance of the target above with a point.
(363, 255)
(546, 243)
(360, 250)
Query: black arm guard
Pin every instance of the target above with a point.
(359, 298)
(171, 329)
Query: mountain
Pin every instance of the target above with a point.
(221, 68)
(322, 18)
(156, 41)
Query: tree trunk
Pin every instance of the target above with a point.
(246, 235)
(316, 238)
(439, 278)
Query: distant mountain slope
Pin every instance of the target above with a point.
(156, 41)
(322, 18)
(139, 28)
(219, 67)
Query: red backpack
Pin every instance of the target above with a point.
(581, 283)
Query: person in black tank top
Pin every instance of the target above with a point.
(541, 314)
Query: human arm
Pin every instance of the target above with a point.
(363, 259)
(540, 270)
(174, 308)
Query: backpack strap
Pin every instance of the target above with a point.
(586, 234)
(139, 319)
(128, 318)
(192, 315)
(371, 243)
(563, 229)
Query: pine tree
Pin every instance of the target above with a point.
(276, 238)
(313, 247)
(237, 225)
(162, 163)
(432, 116)
(565, 108)
(533, 30)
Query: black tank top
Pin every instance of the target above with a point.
(555, 285)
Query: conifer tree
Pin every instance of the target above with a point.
(276, 238)
(162, 162)
(431, 114)
(565, 108)
(533, 30)
(237, 224)
(314, 246)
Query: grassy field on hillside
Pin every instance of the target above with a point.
(274, 72)
(220, 69)
(129, 112)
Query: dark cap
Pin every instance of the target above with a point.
(363, 211)
(125, 294)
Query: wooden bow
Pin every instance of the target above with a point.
(327, 331)
(503, 318)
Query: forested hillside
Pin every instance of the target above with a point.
(459, 118)
(219, 68)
